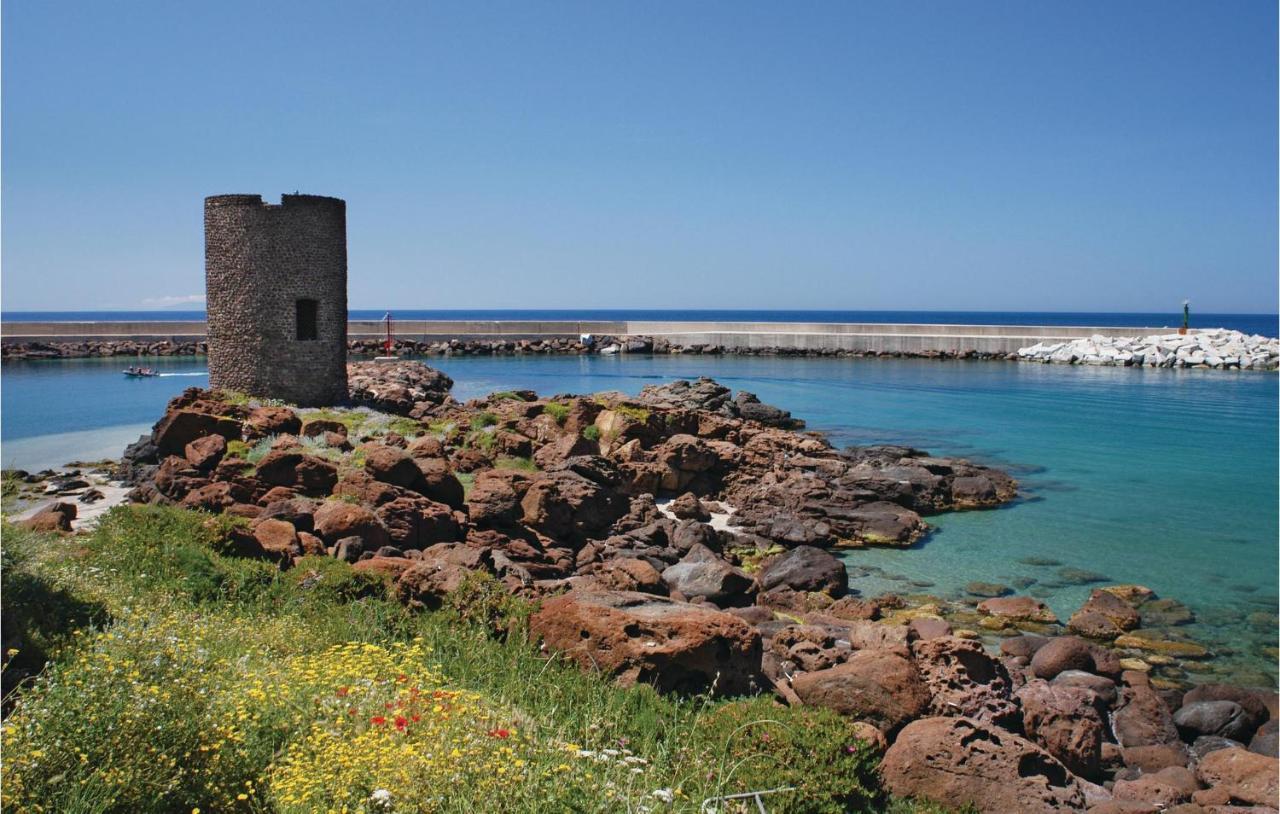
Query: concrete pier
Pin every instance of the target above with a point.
(855, 337)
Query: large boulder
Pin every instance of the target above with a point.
(390, 465)
(495, 497)
(805, 568)
(437, 481)
(1244, 777)
(204, 453)
(337, 519)
(1066, 721)
(963, 680)
(54, 517)
(1069, 653)
(876, 686)
(1142, 718)
(959, 761)
(294, 469)
(417, 522)
(264, 421)
(565, 505)
(638, 637)
(180, 427)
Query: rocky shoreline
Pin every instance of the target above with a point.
(683, 538)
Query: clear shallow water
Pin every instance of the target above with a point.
(1162, 477)
(1266, 324)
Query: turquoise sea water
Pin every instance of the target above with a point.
(1162, 477)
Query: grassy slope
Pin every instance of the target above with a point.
(180, 679)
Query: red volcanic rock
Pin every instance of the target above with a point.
(180, 427)
(805, 568)
(495, 497)
(638, 637)
(1142, 718)
(1242, 775)
(417, 522)
(392, 567)
(264, 421)
(1018, 609)
(337, 519)
(278, 538)
(216, 497)
(629, 574)
(318, 427)
(1065, 721)
(567, 506)
(958, 761)
(205, 452)
(305, 472)
(390, 465)
(877, 686)
(964, 680)
(437, 481)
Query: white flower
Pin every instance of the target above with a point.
(381, 799)
(665, 795)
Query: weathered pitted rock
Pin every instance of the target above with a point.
(688, 507)
(1104, 616)
(390, 465)
(965, 681)
(204, 453)
(278, 538)
(264, 421)
(686, 460)
(1018, 609)
(54, 517)
(568, 506)
(639, 637)
(1066, 721)
(629, 574)
(877, 686)
(180, 427)
(1162, 789)
(805, 568)
(437, 481)
(215, 497)
(306, 472)
(957, 761)
(495, 497)
(1244, 776)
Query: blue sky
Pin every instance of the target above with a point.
(984, 155)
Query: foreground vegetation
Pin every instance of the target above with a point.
(162, 676)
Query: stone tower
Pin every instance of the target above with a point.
(276, 286)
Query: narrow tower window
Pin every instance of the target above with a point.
(307, 310)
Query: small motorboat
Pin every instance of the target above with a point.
(139, 372)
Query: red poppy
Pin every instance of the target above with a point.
(342, 692)
(401, 722)
(378, 719)
(417, 718)
(499, 733)
(351, 711)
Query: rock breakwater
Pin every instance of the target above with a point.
(1212, 349)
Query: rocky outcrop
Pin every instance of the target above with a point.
(403, 388)
(877, 686)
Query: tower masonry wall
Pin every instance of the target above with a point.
(260, 260)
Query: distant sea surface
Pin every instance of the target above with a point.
(1265, 324)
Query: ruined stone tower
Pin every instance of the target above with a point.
(276, 286)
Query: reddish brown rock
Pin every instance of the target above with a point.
(1245, 777)
(1066, 722)
(1165, 788)
(390, 465)
(204, 453)
(417, 522)
(1070, 653)
(495, 497)
(1104, 615)
(278, 538)
(1017, 609)
(317, 427)
(439, 572)
(629, 574)
(958, 761)
(437, 481)
(216, 497)
(294, 469)
(54, 517)
(180, 427)
(807, 569)
(877, 686)
(311, 544)
(390, 567)
(264, 421)
(963, 680)
(336, 519)
(1142, 718)
(638, 637)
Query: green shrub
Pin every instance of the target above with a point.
(557, 410)
(324, 579)
(482, 600)
(591, 432)
(506, 395)
(635, 413)
(482, 420)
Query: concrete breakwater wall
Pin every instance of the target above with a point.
(703, 337)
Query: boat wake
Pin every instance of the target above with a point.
(197, 373)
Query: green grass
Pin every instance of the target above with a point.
(591, 432)
(511, 462)
(482, 420)
(178, 677)
(506, 395)
(557, 410)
